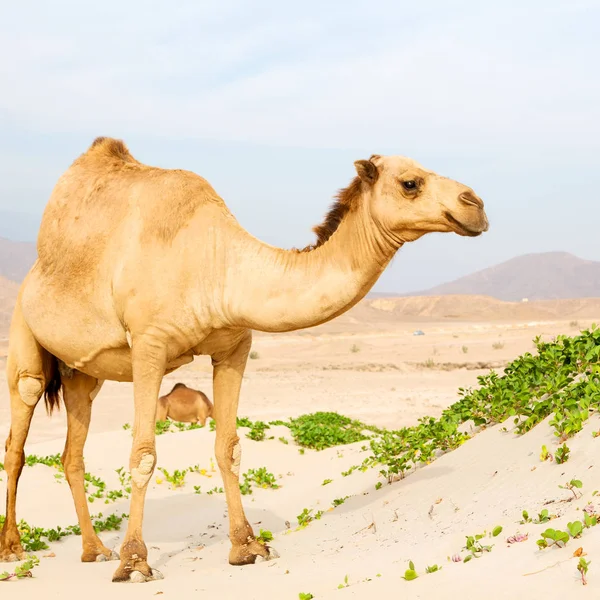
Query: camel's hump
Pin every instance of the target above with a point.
(111, 147)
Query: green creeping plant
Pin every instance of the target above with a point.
(553, 537)
(562, 379)
(35, 538)
(23, 570)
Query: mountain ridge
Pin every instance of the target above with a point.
(534, 276)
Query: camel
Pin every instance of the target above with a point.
(185, 405)
(140, 269)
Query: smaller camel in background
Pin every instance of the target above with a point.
(185, 405)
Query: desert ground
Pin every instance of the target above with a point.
(367, 365)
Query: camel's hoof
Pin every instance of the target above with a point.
(273, 554)
(251, 553)
(12, 553)
(12, 556)
(138, 572)
(138, 577)
(103, 558)
(99, 555)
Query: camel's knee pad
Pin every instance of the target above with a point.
(30, 390)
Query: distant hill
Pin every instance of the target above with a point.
(16, 258)
(473, 308)
(396, 313)
(545, 276)
(8, 295)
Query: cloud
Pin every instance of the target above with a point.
(503, 96)
(451, 75)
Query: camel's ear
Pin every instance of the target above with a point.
(367, 171)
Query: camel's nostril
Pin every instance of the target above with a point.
(471, 199)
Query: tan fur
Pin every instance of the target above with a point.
(140, 269)
(185, 405)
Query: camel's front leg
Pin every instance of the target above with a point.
(227, 380)
(148, 357)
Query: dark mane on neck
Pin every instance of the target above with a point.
(345, 200)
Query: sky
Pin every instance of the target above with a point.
(273, 101)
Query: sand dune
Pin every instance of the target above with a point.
(369, 539)
(383, 377)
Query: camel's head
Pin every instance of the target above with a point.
(409, 201)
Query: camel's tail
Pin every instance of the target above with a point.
(53, 387)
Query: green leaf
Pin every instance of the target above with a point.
(410, 574)
(497, 531)
(575, 528)
(562, 536)
(590, 521)
(583, 565)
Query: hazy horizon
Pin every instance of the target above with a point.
(272, 104)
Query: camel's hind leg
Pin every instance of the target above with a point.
(29, 368)
(79, 390)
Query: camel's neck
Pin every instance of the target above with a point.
(287, 290)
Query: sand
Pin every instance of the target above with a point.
(384, 376)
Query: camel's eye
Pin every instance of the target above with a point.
(409, 185)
